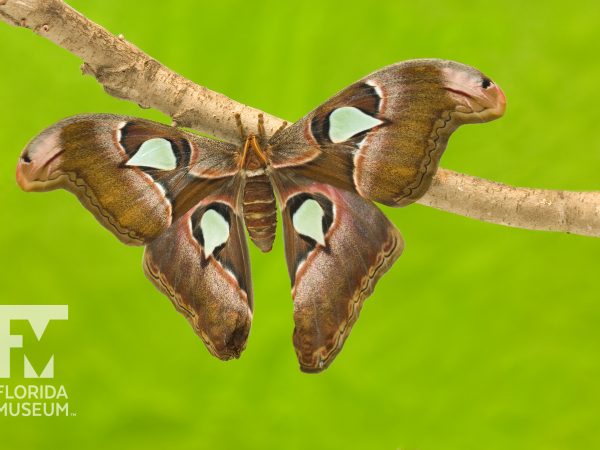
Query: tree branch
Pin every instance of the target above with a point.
(128, 73)
(534, 209)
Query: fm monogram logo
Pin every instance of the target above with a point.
(30, 399)
(38, 316)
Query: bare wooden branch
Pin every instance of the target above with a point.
(128, 73)
(534, 209)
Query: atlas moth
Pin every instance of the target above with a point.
(189, 199)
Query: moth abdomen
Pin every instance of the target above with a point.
(260, 211)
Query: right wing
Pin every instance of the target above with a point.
(338, 245)
(383, 136)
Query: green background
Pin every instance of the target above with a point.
(480, 337)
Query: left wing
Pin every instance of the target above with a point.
(134, 175)
(337, 246)
(176, 192)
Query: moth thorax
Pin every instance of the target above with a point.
(260, 211)
(253, 161)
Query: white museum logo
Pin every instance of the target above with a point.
(30, 398)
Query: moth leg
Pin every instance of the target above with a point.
(258, 149)
(283, 126)
(240, 125)
(262, 135)
(262, 132)
(263, 139)
(244, 152)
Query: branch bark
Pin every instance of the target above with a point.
(128, 73)
(534, 209)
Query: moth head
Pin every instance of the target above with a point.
(39, 162)
(475, 96)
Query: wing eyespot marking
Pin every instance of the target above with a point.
(211, 227)
(307, 220)
(348, 121)
(312, 217)
(359, 100)
(155, 153)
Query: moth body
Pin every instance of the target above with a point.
(259, 206)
